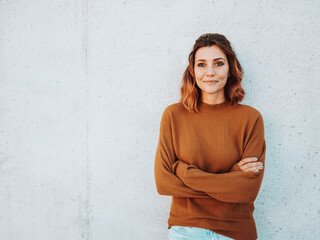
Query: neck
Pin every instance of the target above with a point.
(212, 99)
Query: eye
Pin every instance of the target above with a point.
(220, 64)
(201, 65)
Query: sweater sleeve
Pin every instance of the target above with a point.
(167, 182)
(235, 186)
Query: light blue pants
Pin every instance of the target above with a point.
(194, 233)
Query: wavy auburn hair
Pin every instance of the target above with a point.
(233, 91)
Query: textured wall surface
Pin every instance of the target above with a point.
(83, 87)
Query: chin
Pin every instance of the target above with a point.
(210, 91)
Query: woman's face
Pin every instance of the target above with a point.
(211, 71)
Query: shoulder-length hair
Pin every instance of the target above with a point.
(233, 91)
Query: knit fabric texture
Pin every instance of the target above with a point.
(196, 162)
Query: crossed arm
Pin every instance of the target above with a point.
(179, 179)
(167, 182)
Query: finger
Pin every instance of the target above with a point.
(246, 167)
(247, 160)
(251, 159)
(250, 165)
(253, 169)
(255, 164)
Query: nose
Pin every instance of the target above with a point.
(210, 71)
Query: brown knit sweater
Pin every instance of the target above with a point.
(196, 163)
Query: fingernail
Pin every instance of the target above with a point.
(256, 158)
(257, 170)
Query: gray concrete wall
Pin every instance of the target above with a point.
(83, 87)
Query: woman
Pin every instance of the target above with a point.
(211, 149)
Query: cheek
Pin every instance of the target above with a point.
(223, 72)
(198, 72)
(226, 70)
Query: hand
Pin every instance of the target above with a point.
(250, 164)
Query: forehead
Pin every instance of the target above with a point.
(210, 53)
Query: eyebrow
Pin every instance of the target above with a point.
(213, 59)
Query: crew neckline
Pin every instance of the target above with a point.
(207, 107)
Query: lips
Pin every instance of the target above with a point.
(210, 81)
